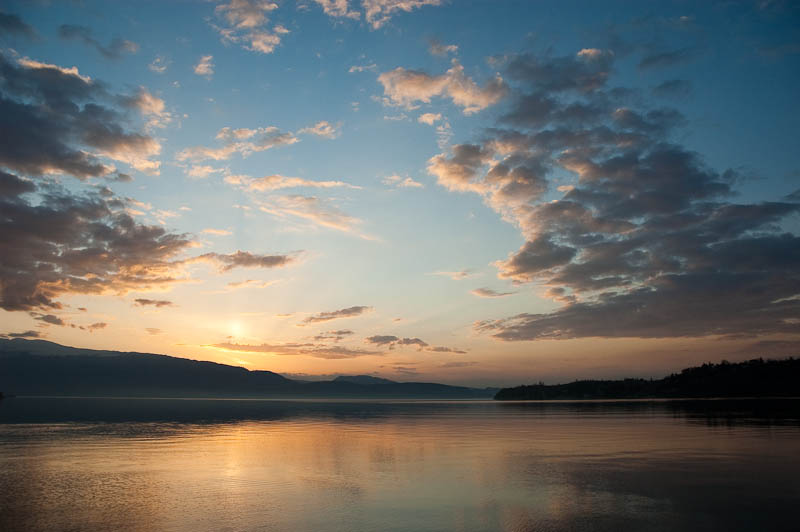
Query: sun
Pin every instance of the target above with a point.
(235, 328)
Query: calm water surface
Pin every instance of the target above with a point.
(188, 465)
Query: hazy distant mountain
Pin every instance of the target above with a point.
(38, 367)
(363, 379)
(753, 378)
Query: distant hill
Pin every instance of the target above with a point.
(38, 367)
(363, 379)
(753, 378)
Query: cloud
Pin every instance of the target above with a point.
(159, 64)
(443, 349)
(96, 326)
(648, 242)
(405, 88)
(202, 171)
(25, 334)
(673, 88)
(205, 66)
(488, 292)
(349, 312)
(391, 341)
(438, 48)
(338, 9)
(59, 244)
(55, 120)
(372, 67)
(456, 276)
(277, 182)
(322, 129)
(49, 319)
(56, 243)
(313, 209)
(458, 364)
(11, 24)
(334, 336)
(158, 303)
(245, 259)
(114, 50)
(242, 141)
(401, 182)
(217, 232)
(313, 350)
(250, 283)
(150, 106)
(248, 25)
(376, 12)
(429, 118)
(667, 58)
(153, 330)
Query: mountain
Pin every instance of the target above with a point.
(363, 379)
(753, 378)
(38, 367)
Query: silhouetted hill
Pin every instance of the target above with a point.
(753, 378)
(38, 367)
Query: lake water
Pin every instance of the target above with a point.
(189, 465)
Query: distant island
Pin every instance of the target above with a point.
(38, 367)
(753, 378)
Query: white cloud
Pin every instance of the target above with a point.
(205, 67)
(322, 129)
(277, 182)
(405, 88)
(400, 182)
(159, 64)
(247, 24)
(429, 118)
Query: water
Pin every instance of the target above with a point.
(188, 465)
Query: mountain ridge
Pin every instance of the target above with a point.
(40, 367)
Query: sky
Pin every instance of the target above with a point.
(470, 192)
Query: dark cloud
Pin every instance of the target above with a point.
(96, 326)
(444, 349)
(153, 303)
(391, 342)
(673, 88)
(381, 339)
(662, 59)
(245, 259)
(11, 24)
(50, 319)
(334, 336)
(53, 119)
(349, 312)
(458, 364)
(114, 50)
(646, 241)
(12, 186)
(68, 244)
(25, 334)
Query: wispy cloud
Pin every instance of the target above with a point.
(205, 66)
(349, 312)
(488, 292)
(334, 352)
(114, 50)
(401, 182)
(158, 303)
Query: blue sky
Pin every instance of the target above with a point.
(375, 150)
